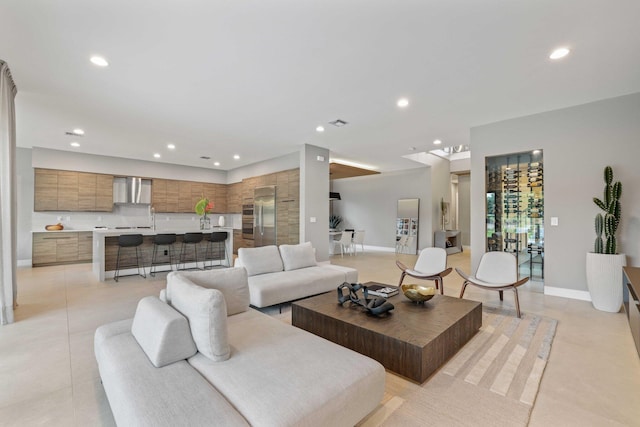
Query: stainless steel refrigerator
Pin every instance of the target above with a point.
(264, 216)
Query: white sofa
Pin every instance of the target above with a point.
(290, 272)
(203, 357)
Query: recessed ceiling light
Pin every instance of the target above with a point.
(78, 131)
(536, 151)
(559, 53)
(75, 144)
(156, 155)
(99, 61)
(437, 142)
(171, 146)
(236, 157)
(320, 129)
(216, 163)
(402, 102)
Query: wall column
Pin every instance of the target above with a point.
(314, 199)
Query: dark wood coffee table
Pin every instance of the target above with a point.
(413, 341)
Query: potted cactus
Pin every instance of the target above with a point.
(604, 264)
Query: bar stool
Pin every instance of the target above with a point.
(162, 240)
(129, 241)
(187, 240)
(217, 238)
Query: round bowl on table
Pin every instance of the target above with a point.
(54, 227)
(418, 293)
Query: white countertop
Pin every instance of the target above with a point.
(149, 232)
(66, 230)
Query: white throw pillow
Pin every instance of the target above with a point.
(265, 259)
(232, 282)
(207, 314)
(297, 256)
(162, 332)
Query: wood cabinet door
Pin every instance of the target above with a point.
(234, 198)
(197, 193)
(159, 195)
(87, 185)
(184, 197)
(67, 247)
(67, 191)
(173, 196)
(44, 249)
(220, 199)
(104, 193)
(45, 190)
(85, 246)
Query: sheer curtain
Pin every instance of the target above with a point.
(8, 285)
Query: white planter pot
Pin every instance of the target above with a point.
(604, 280)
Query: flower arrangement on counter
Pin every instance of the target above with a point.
(202, 208)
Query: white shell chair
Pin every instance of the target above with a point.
(345, 242)
(431, 265)
(498, 271)
(358, 239)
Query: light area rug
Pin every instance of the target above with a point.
(492, 381)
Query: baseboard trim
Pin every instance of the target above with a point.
(379, 248)
(567, 293)
(23, 263)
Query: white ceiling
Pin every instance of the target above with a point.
(255, 78)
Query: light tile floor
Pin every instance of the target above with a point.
(48, 374)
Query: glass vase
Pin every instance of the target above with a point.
(205, 223)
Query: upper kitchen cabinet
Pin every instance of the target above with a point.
(46, 190)
(159, 194)
(234, 198)
(57, 190)
(220, 199)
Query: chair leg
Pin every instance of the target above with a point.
(501, 296)
(138, 256)
(441, 280)
(401, 278)
(464, 286)
(515, 295)
(152, 271)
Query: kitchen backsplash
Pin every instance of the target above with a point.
(127, 216)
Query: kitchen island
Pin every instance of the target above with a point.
(105, 249)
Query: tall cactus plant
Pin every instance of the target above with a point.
(611, 219)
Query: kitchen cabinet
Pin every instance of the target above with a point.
(234, 198)
(57, 190)
(159, 194)
(185, 203)
(221, 199)
(46, 190)
(85, 246)
(55, 247)
(173, 196)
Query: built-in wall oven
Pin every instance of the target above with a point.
(247, 221)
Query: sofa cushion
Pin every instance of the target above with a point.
(207, 314)
(232, 282)
(293, 378)
(141, 395)
(299, 256)
(276, 288)
(162, 332)
(261, 260)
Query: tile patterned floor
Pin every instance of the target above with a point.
(48, 374)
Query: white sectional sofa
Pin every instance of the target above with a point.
(290, 272)
(203, 357)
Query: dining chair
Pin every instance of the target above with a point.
(498, 271)
(345, 242)
(431, 265)
(358, 239)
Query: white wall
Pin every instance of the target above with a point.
(370, 202)
(68, 160)
(464, 208)
(440, 189)
(314, 199)
(578, 142)
(25, 178)
(277, 164)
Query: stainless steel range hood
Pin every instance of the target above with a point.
(131, 190)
